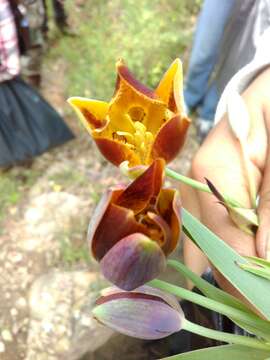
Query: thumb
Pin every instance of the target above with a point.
(263, 233)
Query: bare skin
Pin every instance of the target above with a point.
(219, 159)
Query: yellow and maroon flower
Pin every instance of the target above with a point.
(134, 228)
(139, 124)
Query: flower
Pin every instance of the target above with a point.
(134, 228)
(138, 125)
(145, 313)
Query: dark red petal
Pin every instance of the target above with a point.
(100, 210)
(116, 152)
(115, 224)
(139, 193)
(133, 261)
(170, 138)
(126, 75)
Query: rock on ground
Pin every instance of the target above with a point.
(28, 249)
(61, 325)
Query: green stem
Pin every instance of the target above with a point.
(198, 185)
(208, 303)
(226, 337)
(206, 288)
(261, 328)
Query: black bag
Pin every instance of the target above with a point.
(29, 126)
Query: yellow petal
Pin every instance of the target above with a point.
(132, 101)
(170, 88)
(92, 113)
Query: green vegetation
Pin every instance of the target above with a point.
(12, 186)
(68, 177)
(147, 34)
(72, 254)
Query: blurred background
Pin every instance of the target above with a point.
(48, 281)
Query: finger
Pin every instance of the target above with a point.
(219, 160)
(263, 233)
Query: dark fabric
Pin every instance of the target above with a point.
(28, 124)
(59, 14)
(184, 341)
(45, 27)
(22, 26)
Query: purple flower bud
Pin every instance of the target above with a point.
(133, 261)
(144, 313)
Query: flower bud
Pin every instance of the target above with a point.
(144, 313)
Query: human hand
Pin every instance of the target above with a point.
(220, 160)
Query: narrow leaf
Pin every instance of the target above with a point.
(259, 261)
(221, 296)
(254, 269)
(208, 289)
(225, 259)
(224, 352)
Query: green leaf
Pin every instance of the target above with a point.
(224, 352)
(263, 272)
(258, 325)
(263, 262)
(208, 289)
(225, 259)
(221, 296)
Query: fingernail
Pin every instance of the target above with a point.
(267, 247)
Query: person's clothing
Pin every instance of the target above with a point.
(210, 28)
(29, 126)
(244, 77)
(59, 14)
(246, 25)
(9, 51)
(31, 61)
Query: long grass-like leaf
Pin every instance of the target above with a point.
(256, 290)
(221, 296)
(224, 352)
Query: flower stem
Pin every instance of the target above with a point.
(223, 336)
(229, 311)
(198, 186)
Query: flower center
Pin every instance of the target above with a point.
(140, 141)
